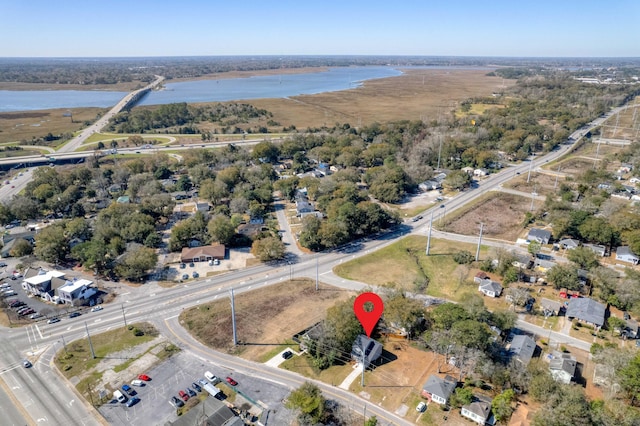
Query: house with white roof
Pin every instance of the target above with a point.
(76, 292)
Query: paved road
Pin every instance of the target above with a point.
(96, 127)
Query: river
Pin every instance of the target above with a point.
(258, 87)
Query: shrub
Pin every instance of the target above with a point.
(463, 257)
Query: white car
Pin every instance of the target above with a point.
(421, 407)
(96, 308)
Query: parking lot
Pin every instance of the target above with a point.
(178, 373)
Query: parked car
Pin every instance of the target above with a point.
(185, 276)
(183, 395)
(53, 320)
(3, 265)
(191, 392)
(128, 389)
(231, 381)
(287, 354)
(195, 275)
(133, 401)
(176, 402)
(35, 315)
(196, 387)
(182, 266)
(144, 377)
(26, 363)
(203, 382)
(137, 382)
(211, 377)
(421, 407)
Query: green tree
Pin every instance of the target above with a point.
(21, 247)
(266, 151)
(502, 405)
(51, 244)
(564, 276)
(461, 396)
(615, 324)
(534, 248)
(342, 325)
(269, 248)
(136, 262)
(221, 229)
(471, 334)
(371, 421)
(584, 257)
(447, 314)
(309, 400)
(630, 379)
(404, 312)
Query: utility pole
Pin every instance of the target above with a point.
(124, 317)
(362, 381)
(439, 153)
(530, 166)
(233, 319)
(557, 174)
(429, 234)
(479, 242)
(532, 198)
(93, 354)
(316, 271)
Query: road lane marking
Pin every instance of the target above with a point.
(171, 317)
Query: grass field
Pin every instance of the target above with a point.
(400, 265)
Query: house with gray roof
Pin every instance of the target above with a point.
(365, 348)
(624, 254)
(550, 307)
(491, 289)
(439, 390)
(478, 411)
(562, 367)
(540, 235)
(586, 310)
(522, 348)
(522, 260)
(569, 243)
(598, 249)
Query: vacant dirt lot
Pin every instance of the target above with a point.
(264, 318)
(501, 213)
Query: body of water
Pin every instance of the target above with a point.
(259, 87)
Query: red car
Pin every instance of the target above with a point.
(183, 395)
(231, 381)
(144, 377)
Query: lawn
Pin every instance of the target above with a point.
(400, 264)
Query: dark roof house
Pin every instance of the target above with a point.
(479, 410)
(540, 235)
(522, 348)
(587, 310)
(439, 390)
(562, 367)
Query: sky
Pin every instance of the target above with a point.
(513, 28)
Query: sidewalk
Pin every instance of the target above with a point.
(357, 371)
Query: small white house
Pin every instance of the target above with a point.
(491, 289)
(624, 254)
(76, 291)
(478, 411)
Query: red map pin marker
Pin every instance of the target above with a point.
(368, 319)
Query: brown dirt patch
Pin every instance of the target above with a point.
(501, 213)
(265, 318)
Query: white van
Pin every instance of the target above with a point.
(210, 377)
(137, 382)
(119, 396)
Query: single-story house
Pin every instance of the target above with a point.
(562, 367)
(467, 170)
(203, 254)
(542, 265)
(624, 254)
(250, 230)
(491, 289)
(522, 260)
(587, 310)
(569, 243)
(478, 411)
(76, 291)
(372, 350)
(597, 249)
(9, 241)
(303, 206)
(439, 390)
(480, 172)
(540, 235)
(550, 307)
(522, 348)
(429, 185)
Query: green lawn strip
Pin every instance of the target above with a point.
(276, 350)
(76, 359)
(303, 364)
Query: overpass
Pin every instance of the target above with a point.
(129, 100)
